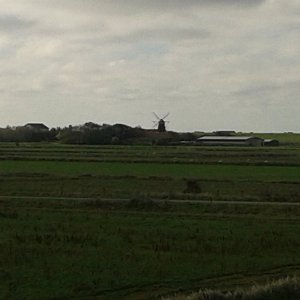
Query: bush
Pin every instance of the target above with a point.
(192, 187)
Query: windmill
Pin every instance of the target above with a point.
(160, 123)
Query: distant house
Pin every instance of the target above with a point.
(37, 127)
(230, 141)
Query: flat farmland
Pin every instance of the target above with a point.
(159, 180)
(77, 250)
(154, 169)
(167, 154)
(101, 222)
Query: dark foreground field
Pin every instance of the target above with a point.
(70, 249)
(100, 222)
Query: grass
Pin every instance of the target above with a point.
(171, 154)
(145, 187)
(154, 169)
(54, 248)
(74, 251)
(149, 180)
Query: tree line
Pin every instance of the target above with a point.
(92, 134)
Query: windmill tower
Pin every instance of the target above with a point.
(160, 123)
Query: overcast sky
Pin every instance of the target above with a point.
(213, 64)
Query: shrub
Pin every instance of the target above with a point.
(192, 187)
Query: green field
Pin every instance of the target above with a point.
(165, 180)
(101, 222)
(145, 169)
(269, 156)
(73, 250)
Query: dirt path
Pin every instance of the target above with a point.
(216, 202)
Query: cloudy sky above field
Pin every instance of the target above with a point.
(213, 64)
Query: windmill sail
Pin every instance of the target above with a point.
(161, 122)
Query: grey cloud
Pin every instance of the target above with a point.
(12, 22)
(142, 6)
(158, 4)
(173, 33)
(213, 63)
(162, 34)
(256, 90)
(245, 3)
(266, 89)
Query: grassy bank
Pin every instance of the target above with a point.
(287, 288)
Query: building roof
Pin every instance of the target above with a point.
(39, 126)
(227, 138)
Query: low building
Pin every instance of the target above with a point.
(37, 127)
(230, 141)
(271, 143)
